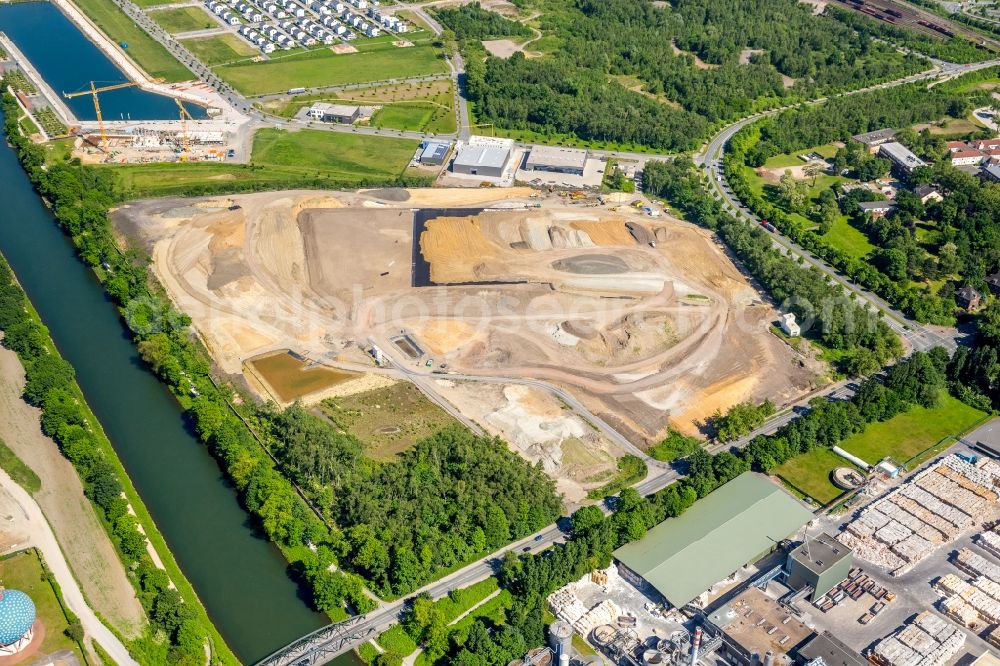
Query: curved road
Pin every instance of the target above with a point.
(44, 540)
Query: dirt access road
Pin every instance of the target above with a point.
(646, 333)
(86, 545)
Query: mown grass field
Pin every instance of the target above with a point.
(183, 19)
(23, 571)
(809, 474)
(848, 239)
(22, 475)
(320, 68)
(902, 437)
(387, 420)
(142, 48)
(309, 158)
(911, 433)
(220, 49)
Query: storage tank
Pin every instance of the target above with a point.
(650, 657)
(561, 637)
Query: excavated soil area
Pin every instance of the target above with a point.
(519, 287)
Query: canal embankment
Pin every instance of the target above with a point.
(54, 101)
(240, 577)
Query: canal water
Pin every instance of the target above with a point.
(68, 62)
(240, 577)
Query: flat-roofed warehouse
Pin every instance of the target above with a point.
(481, 160)
(558, 160)
(740, 522)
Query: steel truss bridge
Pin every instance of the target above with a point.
(321, 645)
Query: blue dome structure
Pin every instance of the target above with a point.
(17, 615)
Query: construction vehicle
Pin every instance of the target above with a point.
(94, 91)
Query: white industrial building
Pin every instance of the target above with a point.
(483, 156)
(559, 160)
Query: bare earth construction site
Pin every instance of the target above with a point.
(645, 321)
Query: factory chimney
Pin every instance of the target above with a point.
(695, 645)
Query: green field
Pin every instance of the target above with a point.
(151, 3)
(911, 433)
(142, 48)
(220, 49)
(23, 571)
(809, 474)
(309, 158)
(323, 67)
(416, 116)
(784, 161)
(183, 19)
(387, 420)
(848, 239)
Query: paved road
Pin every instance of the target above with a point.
(920, 337)
(44, 539)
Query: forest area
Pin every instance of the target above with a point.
(698, 63)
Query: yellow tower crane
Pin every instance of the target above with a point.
(185, 116)
(94, 90)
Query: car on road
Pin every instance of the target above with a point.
(526, 549)
(538, 537)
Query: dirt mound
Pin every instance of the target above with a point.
(389, 194)
(591, 264)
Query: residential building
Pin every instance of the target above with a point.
(901, 156)
(928, 193)
(968, 298)
(872, 140)
(990, 172)
(877, 209)
(966, 156)
(993, 282)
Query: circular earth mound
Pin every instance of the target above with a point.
(847, 478)
(591, 264)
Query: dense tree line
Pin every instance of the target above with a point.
(749, 48)
(900, 257)
(471, 21)
(823, 310)
(452, 498)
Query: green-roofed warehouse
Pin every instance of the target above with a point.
(738, 523)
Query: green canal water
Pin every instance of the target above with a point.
(240, 577)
